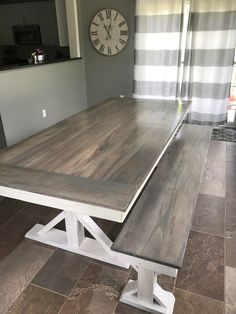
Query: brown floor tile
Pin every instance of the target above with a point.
(209, 215)
(18, 269)
(213, 179)
(230, 310)
(115, 267)
(231, 216)
(190, 303)
(126, 309)
(167, 283)
(231, 233)
(8, 208)
(40, 211)
(203, 266)
(230, 180)
(98, 290)
(13, 232)
(115, 230)
(61, 225)
(61, 272)
(35, 300)
(230, 290)
(231, 152)
(104, 224)
(217, 151)
(231, 249)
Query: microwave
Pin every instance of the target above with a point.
(27, 34)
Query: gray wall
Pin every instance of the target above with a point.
(3, 142)
(59, 88)
(108, 76)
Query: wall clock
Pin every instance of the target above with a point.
(109, 32)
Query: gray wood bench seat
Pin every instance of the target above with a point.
(158, 227)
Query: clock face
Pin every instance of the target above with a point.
(109, 32)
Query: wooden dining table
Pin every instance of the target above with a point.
(92, 164)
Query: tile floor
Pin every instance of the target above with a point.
(35, 278)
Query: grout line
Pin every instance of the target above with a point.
(75, 287)
(208, 233)
(63, 305)
(128, 278)
(33, 284)
(200, 295)
(175, 281)
(210, 195)
(79, 277)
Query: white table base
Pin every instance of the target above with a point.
(74, 240)
(144, 293)
(147, 295)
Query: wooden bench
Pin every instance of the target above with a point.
(154, 236)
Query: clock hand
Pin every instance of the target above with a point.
(108, 31)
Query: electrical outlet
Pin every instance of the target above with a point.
(44, 113)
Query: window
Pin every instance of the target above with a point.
(232, 98)
(233, 83)
(184, 35)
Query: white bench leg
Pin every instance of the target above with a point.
(146, 294)
(74, 240)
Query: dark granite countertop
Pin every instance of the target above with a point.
(28, 65)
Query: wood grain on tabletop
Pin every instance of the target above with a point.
(117, 141)
(165, 207)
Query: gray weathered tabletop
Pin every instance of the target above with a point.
(101, 156)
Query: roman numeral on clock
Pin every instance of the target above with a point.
(122, 23)
(109, 32)
(96, 42)
(94, 33)
(122, 41)
(101, 16)
(109, 50)
(108, 14)
(123, 33)
(102, 47)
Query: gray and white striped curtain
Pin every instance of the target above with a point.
(211, 41)
(157, 48)
(209, 62)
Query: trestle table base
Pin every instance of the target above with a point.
(144, 293)
(74, 240)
